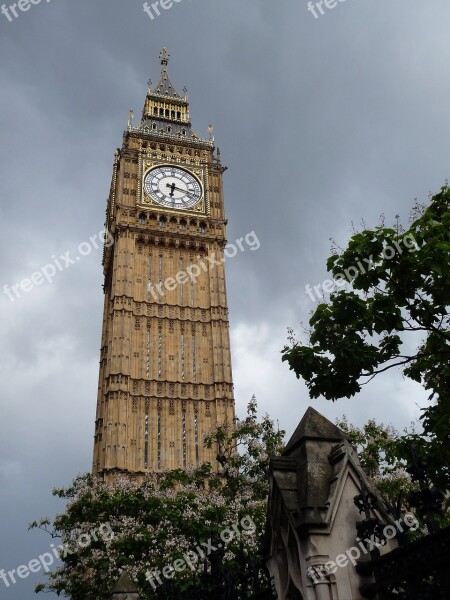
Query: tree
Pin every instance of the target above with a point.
(377, 447)
(399, 287)
(167, 530)
(381, 452)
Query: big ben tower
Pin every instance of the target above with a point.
(165, 364)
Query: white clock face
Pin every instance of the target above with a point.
(173, 187)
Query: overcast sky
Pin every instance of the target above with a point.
(322, 122)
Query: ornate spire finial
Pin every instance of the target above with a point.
(164, 56)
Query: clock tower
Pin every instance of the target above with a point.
(165, 365)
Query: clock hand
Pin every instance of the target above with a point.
(179, 189)
(174, 187)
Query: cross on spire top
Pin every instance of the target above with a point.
(164, 56)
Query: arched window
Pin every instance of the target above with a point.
(142, 218)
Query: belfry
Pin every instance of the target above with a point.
(165, 364)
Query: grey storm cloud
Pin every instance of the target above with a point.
(322, 122)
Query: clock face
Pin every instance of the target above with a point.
(173, 187)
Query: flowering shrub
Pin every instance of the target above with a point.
(160, 520)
